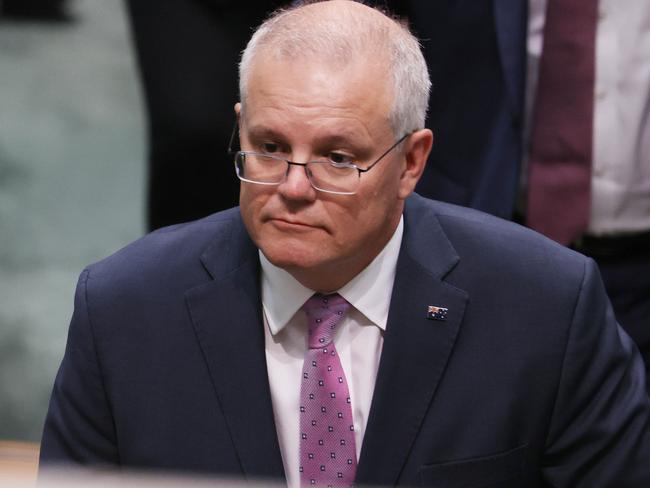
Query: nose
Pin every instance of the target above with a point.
(296, 185)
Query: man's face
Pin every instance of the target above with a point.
(307, 111)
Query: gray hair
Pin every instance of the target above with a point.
(340, 34)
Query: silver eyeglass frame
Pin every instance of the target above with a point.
(290, 163)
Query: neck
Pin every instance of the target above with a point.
(326, 281)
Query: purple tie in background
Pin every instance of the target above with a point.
(327, 446)
(559, 180)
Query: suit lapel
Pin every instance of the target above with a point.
(416, 349)
(227, 318)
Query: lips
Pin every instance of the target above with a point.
(291, 224)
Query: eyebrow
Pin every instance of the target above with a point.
(257, 132)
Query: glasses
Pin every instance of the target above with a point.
(341, 178)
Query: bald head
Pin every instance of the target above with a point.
(339, 32)
(341, 29)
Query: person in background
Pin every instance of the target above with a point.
(586, 177)
(187, 52)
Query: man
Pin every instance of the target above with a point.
(337, 327)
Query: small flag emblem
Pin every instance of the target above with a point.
(437, 313)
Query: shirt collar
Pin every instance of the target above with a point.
(369, 292)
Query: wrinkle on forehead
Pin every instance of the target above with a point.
(335, 34)
(315, 93)
(301, 95)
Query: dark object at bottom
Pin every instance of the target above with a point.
(615, 246)
(35, 10)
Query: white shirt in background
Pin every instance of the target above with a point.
(621, 144)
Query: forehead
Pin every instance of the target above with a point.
(354, 96)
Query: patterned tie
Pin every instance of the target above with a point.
(559, 182)
(327, 447)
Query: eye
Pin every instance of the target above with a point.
(270, 147)
(340, 158)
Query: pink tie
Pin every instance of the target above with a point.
(327, 447)
(559, 183)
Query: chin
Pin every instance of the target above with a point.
(293, 256)
(286, 248)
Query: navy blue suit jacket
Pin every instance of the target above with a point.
(528, 381)
(476, 52)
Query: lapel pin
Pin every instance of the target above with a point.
(437, 313)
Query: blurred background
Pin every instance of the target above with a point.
(72, 189)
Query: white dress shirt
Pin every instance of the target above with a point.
(620, 183)
(358, 340)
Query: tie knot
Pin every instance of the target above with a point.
(324, 313)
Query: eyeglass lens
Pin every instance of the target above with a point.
(269, 170)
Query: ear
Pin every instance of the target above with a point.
(238, 110)
(418, 147)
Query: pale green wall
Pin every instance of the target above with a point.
(71, 186)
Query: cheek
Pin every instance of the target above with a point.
(376, 214)
(250, 203)
(381, 199)
(386, 198)
(351, 226)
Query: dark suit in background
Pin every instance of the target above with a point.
(188, 51)
(526, 380)
(476, 57)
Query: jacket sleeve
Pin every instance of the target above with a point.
(79, 427)
(600, 428)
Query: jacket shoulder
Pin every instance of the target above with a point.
(492, 250)
(170, 254)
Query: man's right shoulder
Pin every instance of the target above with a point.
(170, 253)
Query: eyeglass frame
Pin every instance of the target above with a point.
(304, 165)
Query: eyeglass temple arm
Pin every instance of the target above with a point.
(233, 136)
(399, 141)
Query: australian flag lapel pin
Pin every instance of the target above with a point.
(437, 313)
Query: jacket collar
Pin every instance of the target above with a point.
(416, 349)
(227, 316)
(226, 313)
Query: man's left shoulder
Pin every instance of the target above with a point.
(469, 230)
(487, 246)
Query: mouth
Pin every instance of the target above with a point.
(292, 225)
